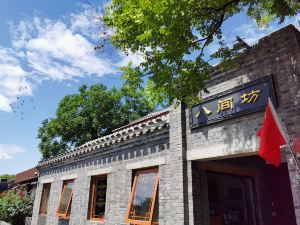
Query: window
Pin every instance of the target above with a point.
(64, 206)
(98, 198)
(143, 204)
(44, 199)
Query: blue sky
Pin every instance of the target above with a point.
(46, 52)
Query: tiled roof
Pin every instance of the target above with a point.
(27, 175)
(150, 116)
(149, 123)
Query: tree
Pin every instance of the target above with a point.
(172, 36)
(88, 115)
(15, 205)
(7, 176)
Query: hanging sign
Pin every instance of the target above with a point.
(247, 98)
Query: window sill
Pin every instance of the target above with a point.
(63, 217)
(95, 221)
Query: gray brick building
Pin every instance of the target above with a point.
(170, 168)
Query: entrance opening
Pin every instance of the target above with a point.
(243, 191)
(231, 199)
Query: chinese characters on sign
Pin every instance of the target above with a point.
(227, 104)
(250, 97)
(247, 98)
(205, 110)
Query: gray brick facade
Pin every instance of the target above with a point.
(185, 156)
(119, 180)
(277, 54)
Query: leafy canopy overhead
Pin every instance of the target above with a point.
(173, 34)
(88, 115)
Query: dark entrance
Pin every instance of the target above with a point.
(242, 191)
(231, 200)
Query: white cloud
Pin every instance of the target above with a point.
(14, 79)
(251, 32)
(87, 23)
(8, 151)
(57, 50)
(135, 59)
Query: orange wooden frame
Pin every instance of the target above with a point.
(140, 222)
(44, 198)
(65, 215)
(92, 203)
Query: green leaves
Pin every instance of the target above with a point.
(15, 205)
(172, 35)
(88, 115)
(7, 176)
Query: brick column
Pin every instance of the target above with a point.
(37, 202)
(173, 199)
(55, 193)
(118, 195)
(80, 200)
(295, 184)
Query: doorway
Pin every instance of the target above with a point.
(231, 199)
(242, 191)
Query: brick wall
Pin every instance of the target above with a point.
(276, 54)
(119, 180)
(173, 207)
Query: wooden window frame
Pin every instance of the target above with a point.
(141, 222)
(92, 203)
(44, 198)
(65, 215)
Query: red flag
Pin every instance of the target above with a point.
(272, 136)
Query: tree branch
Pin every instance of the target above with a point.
(209, 9)
(220, 22)
(216, 26)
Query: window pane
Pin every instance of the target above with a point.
(66, 198)
(45, 198)
(142, 198)
(100, 197)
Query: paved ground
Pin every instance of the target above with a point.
(4, 223)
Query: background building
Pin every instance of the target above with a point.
(3, 185)
(28, 178)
